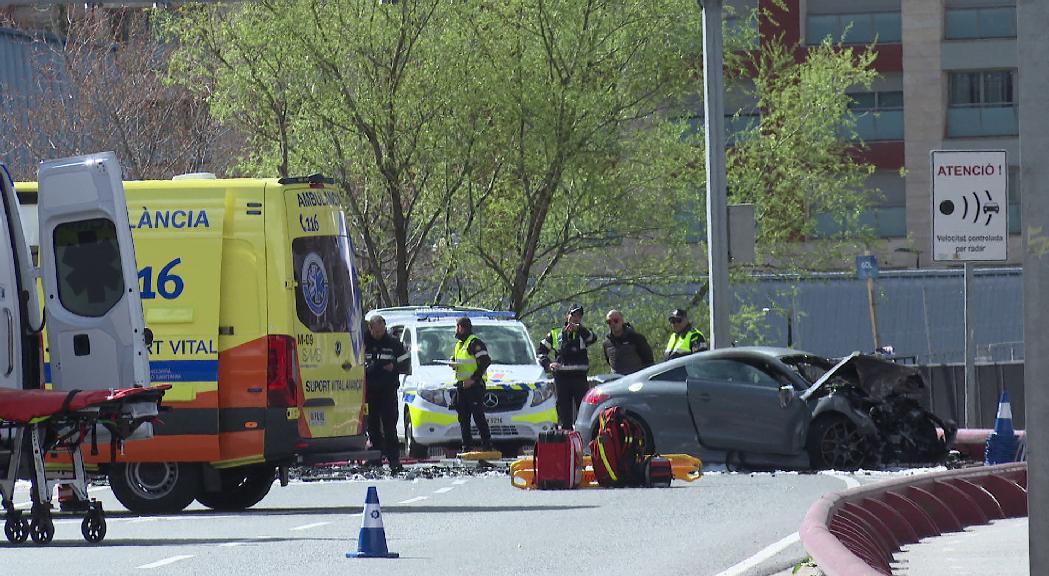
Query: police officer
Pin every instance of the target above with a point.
(563, 352)
(684, 339)
(470, 360)
(385, 361)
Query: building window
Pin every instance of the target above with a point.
(879, 115)
(883, 27)
(982, 103)
(969, 23)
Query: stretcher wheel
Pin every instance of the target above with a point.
(16, 530)
(42, 531)
(93, 528)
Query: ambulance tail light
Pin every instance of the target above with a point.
(282, 372)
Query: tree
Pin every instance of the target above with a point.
(98, 84)
(583, 162)
(362, 90)
(798, 163)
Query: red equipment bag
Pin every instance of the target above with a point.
(558, 460)
(617, 450)
(658, 472)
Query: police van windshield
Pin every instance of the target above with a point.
(507, 344)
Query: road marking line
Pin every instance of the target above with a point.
(777, 547)
(314, 525)
(166, 561)
(141, 520)
(444, 490)
(411, 500)
(766, 553)
(849, 481)
(460, 481)
(232, 544)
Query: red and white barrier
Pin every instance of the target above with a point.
(856, 532)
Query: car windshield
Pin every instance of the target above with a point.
(507, 344)
(810, 368)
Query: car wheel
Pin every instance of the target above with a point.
(836, 443)
(241, 487)
(155, 487)
(414, 449)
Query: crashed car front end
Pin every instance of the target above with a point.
(884, 399)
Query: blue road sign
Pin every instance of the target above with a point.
(866, 267)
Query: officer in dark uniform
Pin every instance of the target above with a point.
(470, 361)
(385, 360)
(563, 352)
(684, 339)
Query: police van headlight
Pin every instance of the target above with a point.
(543, 392)
(434, 396)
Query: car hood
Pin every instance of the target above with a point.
(878, 377)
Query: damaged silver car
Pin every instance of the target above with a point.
(762, 407)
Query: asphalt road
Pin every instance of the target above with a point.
(723, 524)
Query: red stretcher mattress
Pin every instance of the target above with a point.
(22, 406)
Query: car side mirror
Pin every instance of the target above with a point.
(786, 395)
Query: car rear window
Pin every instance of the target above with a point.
(506, 344)
(87, 260)
(325, 292)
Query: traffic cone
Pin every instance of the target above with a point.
(1001, 444)
(372, 540)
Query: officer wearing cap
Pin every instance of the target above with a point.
(470, 362)
(563, 353)
(684, 339)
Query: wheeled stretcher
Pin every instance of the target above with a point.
(34, 423)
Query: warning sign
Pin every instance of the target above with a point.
(969, 205)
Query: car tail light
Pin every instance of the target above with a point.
(282, 372)
(595, 397)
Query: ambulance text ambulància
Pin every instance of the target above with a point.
(249, 288)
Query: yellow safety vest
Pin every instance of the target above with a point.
(682, 344)
(465, 363)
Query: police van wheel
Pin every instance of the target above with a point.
(155, 487)
(414, 449)
(242, 487)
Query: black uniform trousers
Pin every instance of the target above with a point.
(570, 388)
(469, 402)
(382, 422)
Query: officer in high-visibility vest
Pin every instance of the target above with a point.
(563, 352)
(684, 339)
(471, 361)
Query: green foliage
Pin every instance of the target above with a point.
(797, 163)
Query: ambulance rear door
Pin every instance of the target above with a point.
(328, 315)
(19, 306)
(92, 306)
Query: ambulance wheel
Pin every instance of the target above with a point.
(414, 449)
(242, 487)
(16, 530)
(93, 528)
(155, 487)
(42, 530)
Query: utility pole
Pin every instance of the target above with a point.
(1033, 77)
(717, 192)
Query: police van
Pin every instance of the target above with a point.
(519, 399)
(250, 293)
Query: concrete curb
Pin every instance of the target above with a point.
(855, 532)
(971, 442)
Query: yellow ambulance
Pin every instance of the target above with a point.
(249, 289)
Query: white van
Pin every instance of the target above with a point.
(519, 400)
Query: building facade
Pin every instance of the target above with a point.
(948, 82)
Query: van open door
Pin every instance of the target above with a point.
(92, 307)
(19, 305)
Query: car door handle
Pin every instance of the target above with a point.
(10, 342)
(347, 366)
